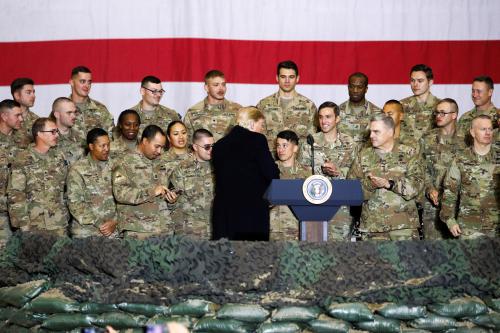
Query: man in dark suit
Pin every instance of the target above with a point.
(243, 169)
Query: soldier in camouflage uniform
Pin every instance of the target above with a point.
(193, 178)
(283, 224)
(139, 190)
(23, 92)
(439, 146)
(402, 133)
(482, 91)
(149, 108)
(71, 140)
(125, 134)
(91, 113)
(355, 113)
(333, 155)
(391, 179)
(90, 191)
(178, 150)
(215, 113)
(11, 119)
(473, 183)
(287, 109)
(35, 193)
(418, 108)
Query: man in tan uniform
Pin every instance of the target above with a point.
(215, 113)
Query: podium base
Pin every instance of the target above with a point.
(314, 231)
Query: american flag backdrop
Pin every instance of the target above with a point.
(121, 41)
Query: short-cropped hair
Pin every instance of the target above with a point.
(287, 64)
(486, 79)
(423, 68)
(329, 104)
(150, 132)
(289, 136)
(150, 79)
(213, 74)
(387, 121)
(8, 104)
(79, 69)
(39, 125)
(358, 74)
(201, 133)
(452, 102)
(19, 83)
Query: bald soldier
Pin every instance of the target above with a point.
(91, 113)
(418, 108)
(193, 179)
(287, 109)
(355, 113)
(391, 179)
(472, 186)
(71, 140)
(333, 154)
(283, 224)
(482, 92)
(90, 191)
(23, 92)
(36, 191)
(215, 113)
(140, 190)
(149, 108)
(11, 120)
(439, 146)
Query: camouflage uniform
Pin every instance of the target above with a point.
(218, 119)
(119, 146)
(474, 180)
(90, 196)
(35, 192)
(465, 122)
(161, 116)
(92, 114)
(71, 145)
(299, 116)
(139, 210)
(283, 224)
(437, 152)
(8, 149)
(355, 121)
(192, 213)
(341, 153)
(389, 214)
(23, 136)
(419, 116)
(169, 161)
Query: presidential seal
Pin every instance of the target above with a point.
(317, 189)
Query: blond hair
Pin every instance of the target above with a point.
(248, 115)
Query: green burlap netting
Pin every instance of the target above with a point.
(168, 270)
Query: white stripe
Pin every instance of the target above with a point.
(180, 96)
(328, 20)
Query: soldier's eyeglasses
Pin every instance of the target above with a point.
(155, 92)
(441, 113)
(53, 131)
(207, 147)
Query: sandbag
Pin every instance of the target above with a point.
(296, 314)
(493, 303)
(280, 327)
(67, 321)
(53, 301)
(460, 307)
(325, 324)
(22, 293)
(97, 308)
(119, 320)
(148, 310)
(252, 313)
(193, 308)
(468, 330)
(352, 312)
(213, 325)
(490, 320)
(413, 330)
(434, 323)
(27, 318)
(380, 324)
(402, 312)
(162, 319)
(6, 312)
(14, 329)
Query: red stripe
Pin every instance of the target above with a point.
(186, 59)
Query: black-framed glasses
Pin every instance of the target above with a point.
(155, 92)
(442, 113)
(207, 147)
(53, 131)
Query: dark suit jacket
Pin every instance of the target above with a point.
(243, 169)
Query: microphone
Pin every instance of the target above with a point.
(310, 141)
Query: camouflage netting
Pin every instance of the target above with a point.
(57, 284)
